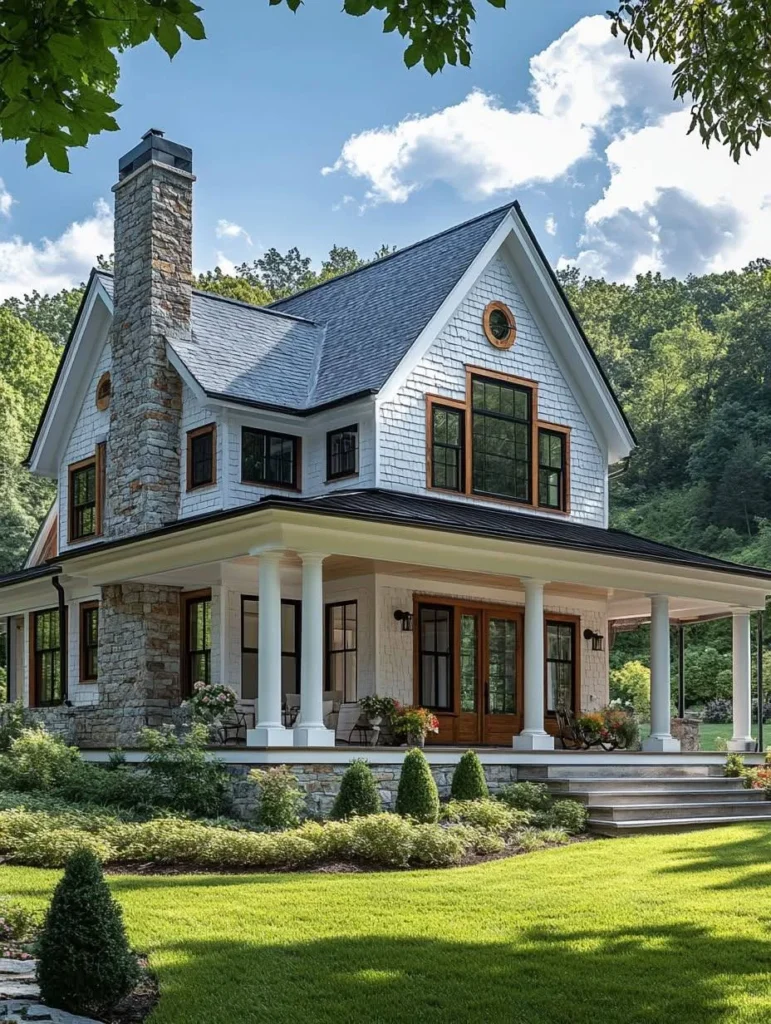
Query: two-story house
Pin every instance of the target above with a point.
(393, 482)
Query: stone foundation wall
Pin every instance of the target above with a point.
(687, 731)
(59, 721)
(139, 658)
(321, 782)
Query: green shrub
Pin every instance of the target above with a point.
(435, 846)
(529, 838)
(488, 814)
(115, 786)
(164, 840)
(180, 773)
(417, 796)
(569, 815)
(358, 793)
(526, 796)
(334, 840)
(36, 762)
(11, 723)
(16, 922)
(557, 836)
(734, 766)
(383, 838)
(53, 848)
(632, 683)
(281, 798)
(85, 965)
(468, 779)
(483, 842)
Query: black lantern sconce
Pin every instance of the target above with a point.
(406, 620)
(598, 641)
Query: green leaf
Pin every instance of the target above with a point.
(34, 151)
(167, 34)
(412, 54)
(13, 75)
(57, 157)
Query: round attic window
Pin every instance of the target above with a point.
(103, 392)
(499, 325)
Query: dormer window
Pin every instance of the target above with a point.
(343, 452)
(202, 457)
(269, 458)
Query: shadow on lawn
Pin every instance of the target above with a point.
(748, 852)
(541, 976)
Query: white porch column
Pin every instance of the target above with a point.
(661, 738)
(269, 730)
(309, 730)
(742, 697)
(534, 736)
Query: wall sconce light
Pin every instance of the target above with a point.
(598, 641)
(406, 620)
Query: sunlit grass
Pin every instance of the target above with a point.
(649, 929)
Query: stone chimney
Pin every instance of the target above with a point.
(152, 295)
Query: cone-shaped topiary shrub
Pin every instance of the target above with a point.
(85, 966)
(358, 794)
(417, 796)
(468, 779)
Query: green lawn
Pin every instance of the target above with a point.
(709, 733)
(650, 929)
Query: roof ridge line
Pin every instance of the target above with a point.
(384, 259)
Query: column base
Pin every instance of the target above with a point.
(533, 740)
(744, 744)
(269, 736)
(662, 745)
(313, 736)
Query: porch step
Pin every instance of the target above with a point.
(677, 795)
(596, 769)
(644, 784)
(661, 812)
(646, 825)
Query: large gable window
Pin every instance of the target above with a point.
(501, 433)
(268, 458)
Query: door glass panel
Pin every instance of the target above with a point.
(468, 662)
(502, 670)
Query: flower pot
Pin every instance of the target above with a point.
(416, 739)
(375, 720)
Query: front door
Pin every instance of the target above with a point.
(469, 670)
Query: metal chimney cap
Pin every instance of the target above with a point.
(154, 131)
(155, 148)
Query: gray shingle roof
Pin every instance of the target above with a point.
(336, 340)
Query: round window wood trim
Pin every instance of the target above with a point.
(104, 392)
(499, 325)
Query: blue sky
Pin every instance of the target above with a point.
(551, 112)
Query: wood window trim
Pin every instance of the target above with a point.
(298, 460)
(97, 460)
(103, 393)
(558, 428)
(208, 428)
(501, 307)
(33, 680)
(186, 597)
(85, 606)
(575, 621)
(352, 428)
(449, 403)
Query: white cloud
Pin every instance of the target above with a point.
(57, 263)
(673, 205)
(6, 200)
(480, 147)
(227, 229)
(226, 265)
(550, 225)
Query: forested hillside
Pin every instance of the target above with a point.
(690, 361)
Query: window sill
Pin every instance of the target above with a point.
(200, 487)
(73, 541)
(341, 476)
(271, 487)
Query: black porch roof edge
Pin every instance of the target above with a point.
(425, 512)
(33, 573)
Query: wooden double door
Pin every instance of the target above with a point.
(469, 668)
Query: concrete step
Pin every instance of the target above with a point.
(595, 769)
(662, 784)
(595, 798)
(659, 812)
(653, 826)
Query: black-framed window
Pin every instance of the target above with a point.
(435, 656)
(551, 469)
(560, 665)
(291, 612)
(501, 427)
(268, 458)
(46, 645)
(343, 452)
(201, 457)
(89, 642)
(342, 628)
(447, 447)
(198, 640)
(83, 501)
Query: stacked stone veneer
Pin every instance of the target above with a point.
(153, 281)
(321, 783)
(139, 660)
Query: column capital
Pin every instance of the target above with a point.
(531, 581)
(311, 557)
(658, 598)
(736, 610)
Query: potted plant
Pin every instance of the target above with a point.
(377, 708)
(415, 723)
(210, 702)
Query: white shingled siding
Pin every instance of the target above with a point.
(395, 647)
(91, 427)
(202, 499)
(442, 371)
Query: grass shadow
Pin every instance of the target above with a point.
(743, 856)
